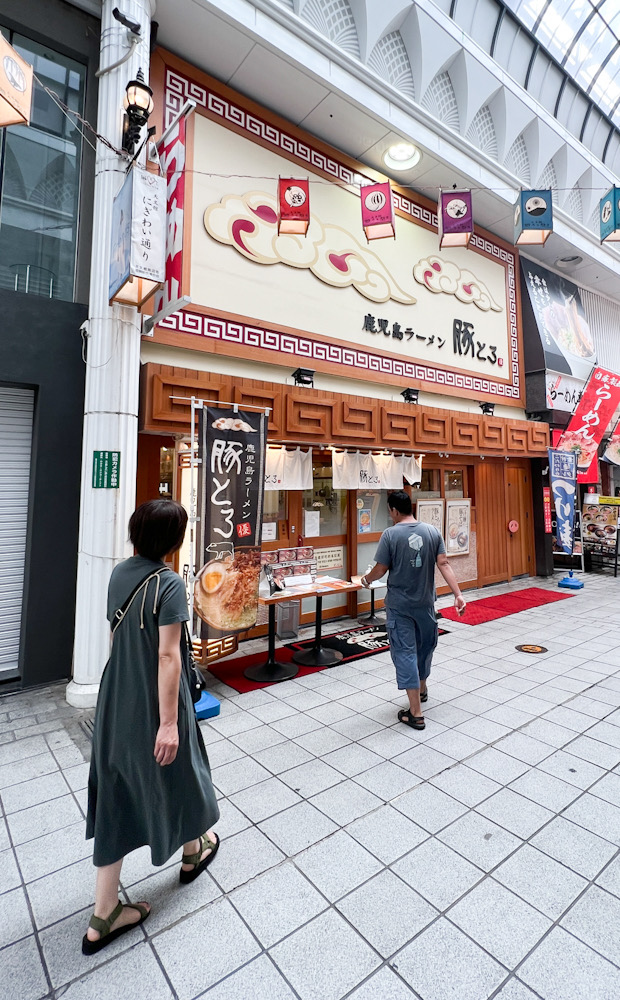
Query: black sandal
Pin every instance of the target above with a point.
(424, 695)
(194, 859)
(415, 721)
(106, 936)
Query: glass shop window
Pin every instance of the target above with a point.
(372, 511)
(429, 488)
(166, 473)
(40, 180)
(275, 507)
(453, 484)
(328, 503)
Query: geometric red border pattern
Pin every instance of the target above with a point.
(178, 88)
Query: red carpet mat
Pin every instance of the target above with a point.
(230, 671)
(488, 609)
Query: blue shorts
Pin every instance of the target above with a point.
(413, 638)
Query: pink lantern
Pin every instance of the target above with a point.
(456, 218)
(377, 211)
(293, 205)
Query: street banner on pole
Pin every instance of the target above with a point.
(612, 451)
(563, 476)
(589, 422)
(232, 447)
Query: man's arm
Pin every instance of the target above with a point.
(444, 567)
(377, 571)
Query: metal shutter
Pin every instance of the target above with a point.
(16, 410)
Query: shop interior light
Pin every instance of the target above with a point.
(410, 395)
(402, 156)
(138, 104)
(487, 408)
(304, 376)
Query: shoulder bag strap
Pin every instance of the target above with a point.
(122, 611)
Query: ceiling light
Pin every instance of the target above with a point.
(568, 262)
(401, 156)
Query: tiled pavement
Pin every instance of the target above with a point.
(360, 859)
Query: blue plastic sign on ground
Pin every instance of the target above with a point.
(563, 475)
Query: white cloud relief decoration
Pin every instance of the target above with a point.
(439, 275)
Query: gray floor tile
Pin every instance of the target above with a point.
(62, 893)
(387, 780)
(26, 770)
(231, 820)
(258, 979)
(224, 752)
(352, 759)
(424, 761)
(325, 959)
(438, 873)
(496, 765)
(135, 973)
(322, 741)
(570, 718)
(169, 900)
(28, 824)
(230, 945)
(387, 834)
(456, 745)
(9, 873)
(387, 743)
(273, 711)
(479, 840)
(545, 789)
(357, 727)
(524, 748)
(337, 865)
(296, 725)
(29, 747)
(384, 985)
(596, 815)
(387, 912)
(507, 715)
(247, 854)
(15, 922)
(594, 751)
(310, 778)
(264, 799)
(63, 955)
(515, 990)
(306, 700)
(449, 716)
(595, 920)
(332, 711)
(53, 851)
(23, 977)
(277, 903)
(515, 813)
(297, 828)
(138, 865)
(345, 802)
(575, 771)
(610, 877)
(503, 924)
(258, 738)
(31, 793)
(282, 757)
(607, 788)
(541, 881)
(605, 731)
(483, 729)
(549, 732)
(562, 968)
(465, 970)
(575, 847)
(465, 784)
(239, 774)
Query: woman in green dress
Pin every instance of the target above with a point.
(150, 781)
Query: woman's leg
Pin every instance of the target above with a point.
(193, 846)
(106, 898)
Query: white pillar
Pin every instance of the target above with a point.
(112, 373)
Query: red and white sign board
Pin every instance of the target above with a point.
(547, 510)
(590, 420)
(172, 155)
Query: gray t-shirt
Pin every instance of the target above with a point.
(410, 551)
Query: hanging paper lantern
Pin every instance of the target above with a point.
(533, 218)
(377, 211)
(610, 216)
(15, 86)
(456, 218)
(138, 238)
(293, 205)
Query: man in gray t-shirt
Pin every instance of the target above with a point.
(410, 550)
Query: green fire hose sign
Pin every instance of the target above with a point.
(106, 470)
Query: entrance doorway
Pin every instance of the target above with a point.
(518, 504)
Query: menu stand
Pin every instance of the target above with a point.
(271, 672)
(318, 655)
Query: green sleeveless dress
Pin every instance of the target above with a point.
(132, 801)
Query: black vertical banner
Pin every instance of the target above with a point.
(231, 481)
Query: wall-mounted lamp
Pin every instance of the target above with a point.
(304, 376)
(410, 395)
(138, 104)
(487, 408)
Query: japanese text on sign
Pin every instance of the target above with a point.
(464, 340)
(106, 470)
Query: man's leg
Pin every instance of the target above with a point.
(426, 641)
(404, 653)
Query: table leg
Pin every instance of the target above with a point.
(317, 655)
(372, 618)
(271, 671)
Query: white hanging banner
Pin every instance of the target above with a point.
(390, 468)
(346, 470)
(288, 470)
(412, 469)
(352, 471)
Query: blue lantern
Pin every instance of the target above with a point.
(609, 216)
(533, 218)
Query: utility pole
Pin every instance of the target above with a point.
(113, 362)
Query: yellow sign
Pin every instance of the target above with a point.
(15, 86)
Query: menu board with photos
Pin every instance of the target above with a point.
(600, 525)
(458, 526)
(431, 512)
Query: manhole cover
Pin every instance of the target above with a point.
(87, 726)
(531, 648)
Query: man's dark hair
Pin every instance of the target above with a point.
(400, 501)
(157, 527)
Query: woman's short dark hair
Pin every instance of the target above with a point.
(400, 501)
(157, 527)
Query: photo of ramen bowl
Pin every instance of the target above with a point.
(591, 527)
(226, 591)
(462, 539)
(610, 529)
(453, 531)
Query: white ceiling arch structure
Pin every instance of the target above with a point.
(363, 74)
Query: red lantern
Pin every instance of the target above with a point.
(377, 211)
(293, 205)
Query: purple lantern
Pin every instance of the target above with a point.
(456, 218)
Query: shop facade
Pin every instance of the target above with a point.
(366, 320)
